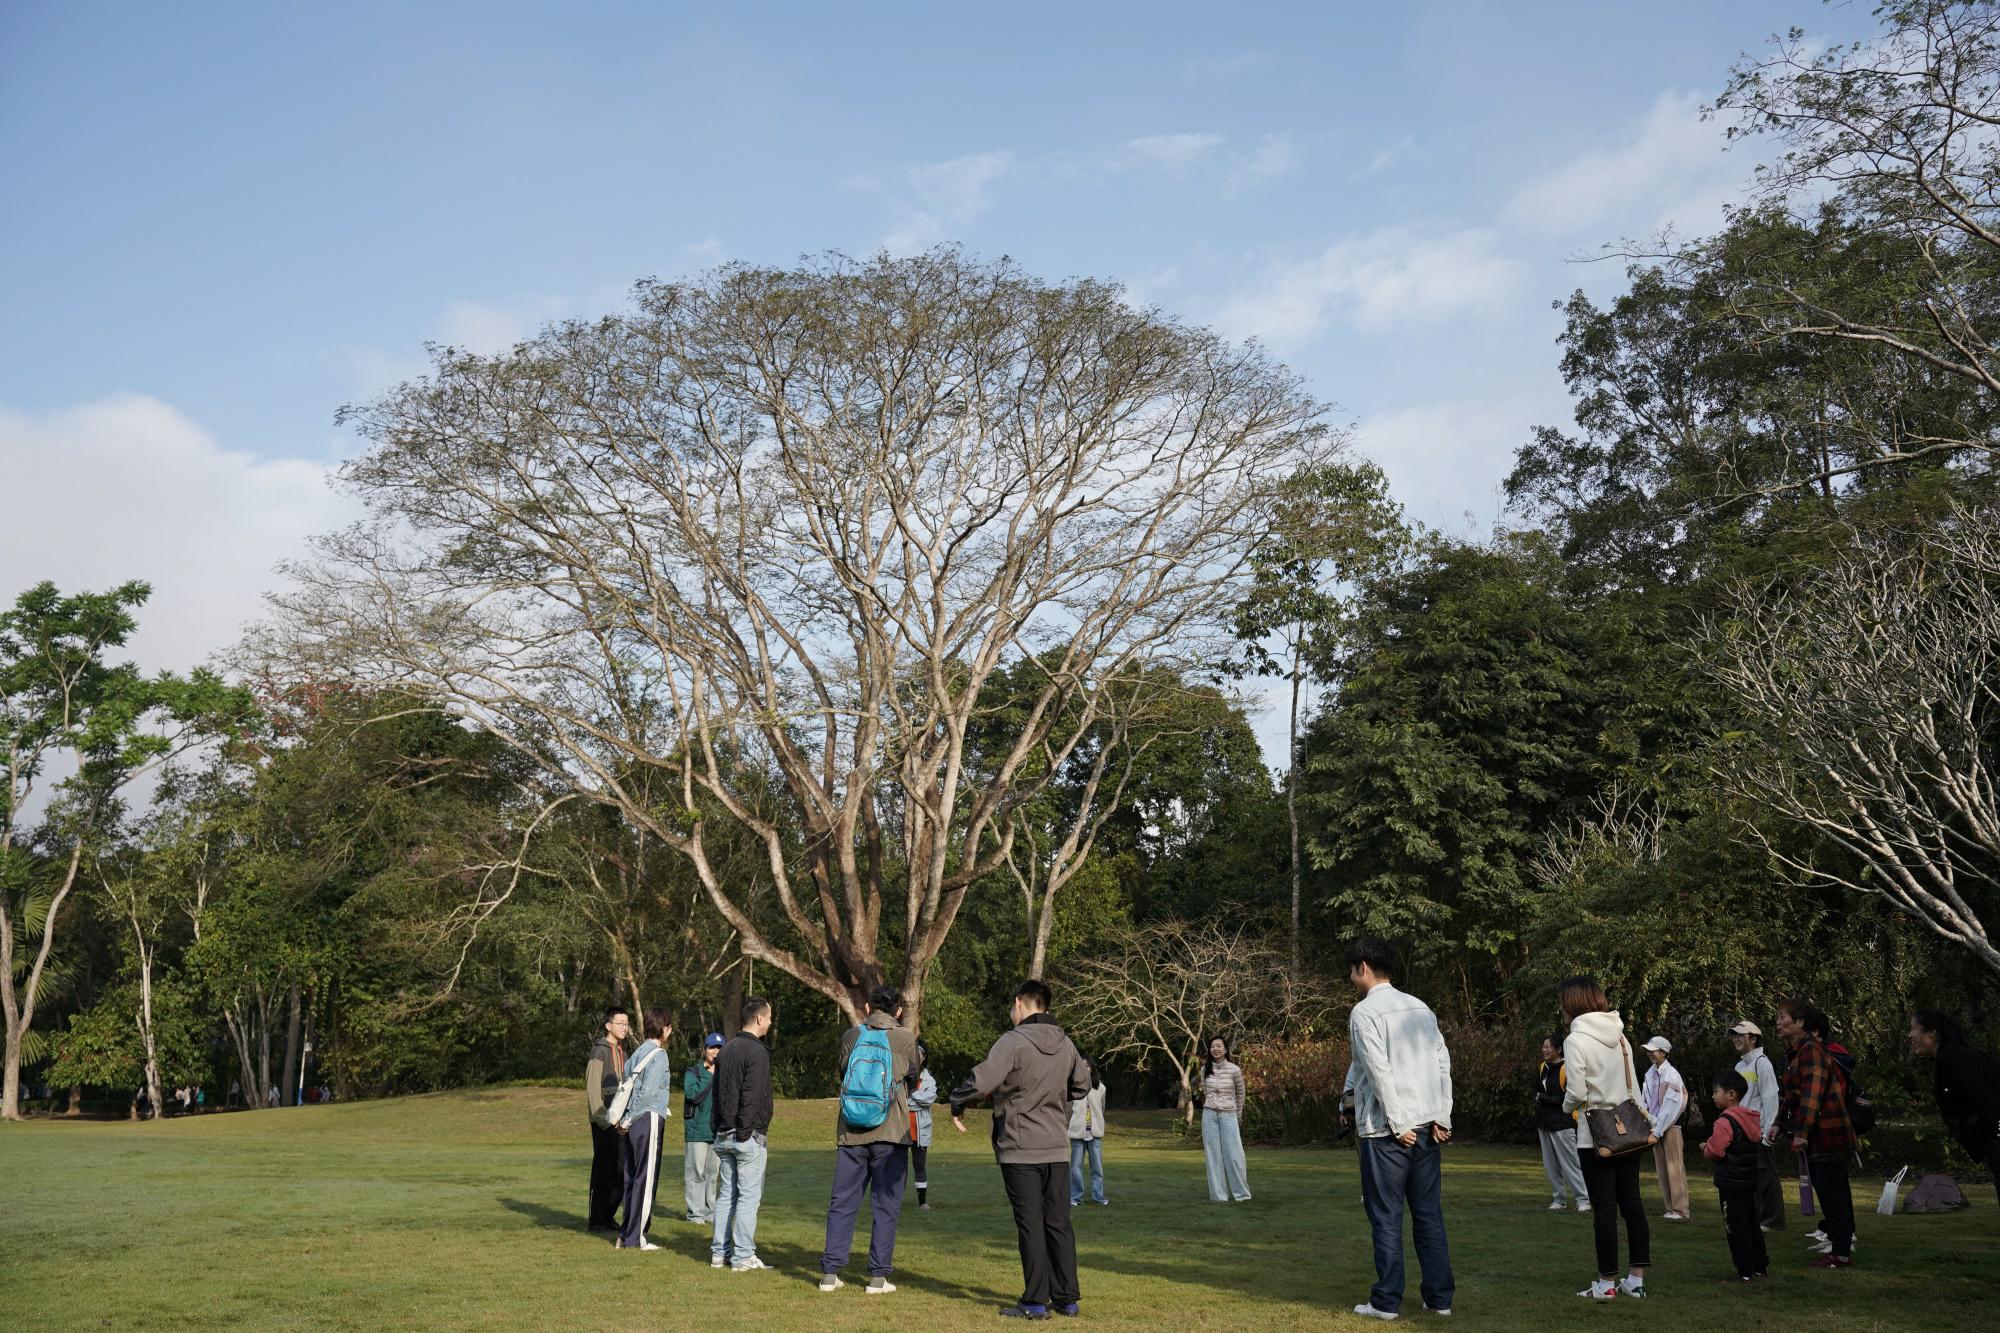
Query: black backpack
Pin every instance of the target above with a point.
(1860, 1106)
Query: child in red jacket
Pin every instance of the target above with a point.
(1732, 1146)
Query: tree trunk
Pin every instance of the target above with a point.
(732, 999)
(75, 1101)
(263, 1049)
(288, 1081)
(153, 1089)
(1292, 799)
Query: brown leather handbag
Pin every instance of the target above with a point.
(1625, 1127)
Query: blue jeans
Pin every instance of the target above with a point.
(1222, 1145)
(739, 1189)
(1390, 1176)
(1079, 1151)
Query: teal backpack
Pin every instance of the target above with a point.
(866, 1091)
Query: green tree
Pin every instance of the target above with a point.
(63, 707)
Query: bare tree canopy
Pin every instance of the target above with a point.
(1890, 140)
(748, 555)
(1875, 684)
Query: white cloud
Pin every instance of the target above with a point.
(1398, 278)
(129, 488)
(1669, 169)
(487, 327)
(941, 196)
(1172, 151)
(1225, 67)
(1274, 156)
(1446, 460)
(1388, 155)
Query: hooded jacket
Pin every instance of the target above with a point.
(1968, 1096)
(1599, 1060)
(1032, 1074)
(895, 1126)
(1734, 1154)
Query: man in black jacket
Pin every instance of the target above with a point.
(600, 1085)
(742, 1119)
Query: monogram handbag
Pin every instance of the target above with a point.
(1625, 1127)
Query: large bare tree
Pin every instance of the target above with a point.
(761, 542)
(1874, 685)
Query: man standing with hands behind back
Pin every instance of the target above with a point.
(1032, 1074)
(1401, 1080)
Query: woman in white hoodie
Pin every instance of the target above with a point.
(1599, 1060)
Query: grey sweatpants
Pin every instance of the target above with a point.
(1560, 1165)
(701, 1174)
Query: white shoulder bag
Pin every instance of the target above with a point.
(615, 1113)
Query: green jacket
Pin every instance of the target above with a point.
(698, 1112)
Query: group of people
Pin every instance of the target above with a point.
(1048, 1128)
(1596, 1118)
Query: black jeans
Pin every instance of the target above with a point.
(1746, 1238)
(1039, 1195)
(1613, 1186)
(920, 1160)
(1836, 1203)
(607, 1174)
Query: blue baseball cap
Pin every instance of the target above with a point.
(714, 1039)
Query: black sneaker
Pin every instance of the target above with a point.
(1072, 1310)
(1024, 1312)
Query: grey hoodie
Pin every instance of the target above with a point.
(1032, 1074)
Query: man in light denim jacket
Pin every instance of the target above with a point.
(1400, 1076)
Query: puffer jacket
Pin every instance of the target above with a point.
(1599, 1061)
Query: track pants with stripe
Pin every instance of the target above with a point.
(642, 1176)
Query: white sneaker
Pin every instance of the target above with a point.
(1583, 1205)
(830, 1282)
(878, 1286)
(1816, 1238)
(1445, 1313)
(1367, 1310)
(1627, 1287)
(750, 1265)
(717, 1261)
(1601, 1290)
(1558, 1206)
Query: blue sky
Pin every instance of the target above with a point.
(224, 221)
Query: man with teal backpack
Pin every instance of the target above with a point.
(872, 1137)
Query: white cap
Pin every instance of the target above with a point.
(1659, 1044)
(1747, 1029)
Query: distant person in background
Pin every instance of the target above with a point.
(1598, 1059)
(1086, 1140)
(1734, 1145)
(922, 1098)
(698, 1171)
(1814, 1108)
(607, 1150)
(1761, 1080)
(1967, 1083)
(1556, 1128)
(1666, 1099)
(1223, 1098)
(644, 1125)
(1401, 1077)
(743, 1107)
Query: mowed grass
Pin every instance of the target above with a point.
(465, 1210)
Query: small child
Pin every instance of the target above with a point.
(1732, 1146)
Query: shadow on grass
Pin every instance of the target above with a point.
(542, 1215)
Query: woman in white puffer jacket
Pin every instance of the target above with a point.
(1599, 1059)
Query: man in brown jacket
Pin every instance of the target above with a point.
(1032, 1074)
(871, 1157)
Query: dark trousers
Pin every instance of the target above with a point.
(1746, 1238)
(607, 1174)
(1770, 1194)
(1391, 1176)
(1039, 1194)
(879, 1169)
(920, 1160)
(1992, 1155)
(1613, 1186)
(1836, 1203)
(642, 1176)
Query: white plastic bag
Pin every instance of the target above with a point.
(1890, 1188)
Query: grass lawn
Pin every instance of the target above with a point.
(465, 1210)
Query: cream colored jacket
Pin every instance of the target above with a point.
(1601, 1075)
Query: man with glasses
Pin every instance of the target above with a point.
(600, 1084)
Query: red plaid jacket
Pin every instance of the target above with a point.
(1815, 1101)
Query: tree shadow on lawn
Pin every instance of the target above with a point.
(544, 1216)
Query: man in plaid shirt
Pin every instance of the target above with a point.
(1815, 1111)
